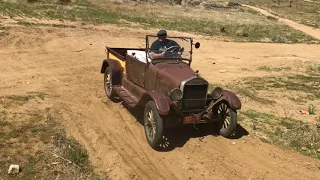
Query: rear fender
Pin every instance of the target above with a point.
(162, 102)
(231, 98)
(117, 70)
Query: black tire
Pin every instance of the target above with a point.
(228, 120)
(153, 125)
(108, 74)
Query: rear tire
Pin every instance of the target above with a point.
(153, 125)
(108, 74)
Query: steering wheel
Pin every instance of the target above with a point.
(172, 51)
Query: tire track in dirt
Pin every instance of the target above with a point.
(130, 149)
(112, 160)
(116, 142)
(133, 157)
(160, 166)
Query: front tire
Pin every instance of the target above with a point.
(108, 74)
(153, 125)
(228, 120)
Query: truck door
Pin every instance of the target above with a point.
(135, 70)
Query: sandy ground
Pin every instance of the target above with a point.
(65, 63)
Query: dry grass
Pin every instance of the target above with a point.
(305, 12)
(236, 24)
(31, 137)
(284, 131)
(301, 90)
(300, 84)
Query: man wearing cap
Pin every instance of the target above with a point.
(159, 46)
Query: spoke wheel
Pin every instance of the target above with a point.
(108, 83)
(228, 119)
(153, 125)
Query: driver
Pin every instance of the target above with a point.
(159, 46)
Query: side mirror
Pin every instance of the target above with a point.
(197, 45)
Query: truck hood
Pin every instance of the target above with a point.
(174, 73)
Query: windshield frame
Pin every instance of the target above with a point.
(165, 58)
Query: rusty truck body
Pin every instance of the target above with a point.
(168, 89)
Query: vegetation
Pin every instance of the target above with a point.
(306, 84)
(30, 24)
(236, 23)
(305, 12)
(314, 67)
(277, 69)
(284, 131)
(31, 138)
(312, 109)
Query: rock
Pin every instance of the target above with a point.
(13, 169)
(318, 150)
(304, 149)
(233, 143)
(67, 85)
(223, 71)
(304, 112)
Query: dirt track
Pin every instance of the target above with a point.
(306, 29)
(46, 60)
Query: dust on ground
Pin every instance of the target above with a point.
(66, 62)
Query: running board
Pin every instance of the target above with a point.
(126, 96)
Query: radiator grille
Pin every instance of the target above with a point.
(194, 95)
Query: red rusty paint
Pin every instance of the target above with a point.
(141, 82)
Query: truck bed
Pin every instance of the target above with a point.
(120, 53)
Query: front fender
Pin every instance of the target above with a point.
(231, 98)
(162, 102)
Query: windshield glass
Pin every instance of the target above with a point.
(169, 48)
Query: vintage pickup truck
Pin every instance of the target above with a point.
(170, 92)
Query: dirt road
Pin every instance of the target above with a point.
(65, 63)
(306, 29)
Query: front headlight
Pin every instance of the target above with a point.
(217, 93)
(176, 94)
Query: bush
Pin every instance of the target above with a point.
(71, 149)
(312, 109)
(64, 1)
